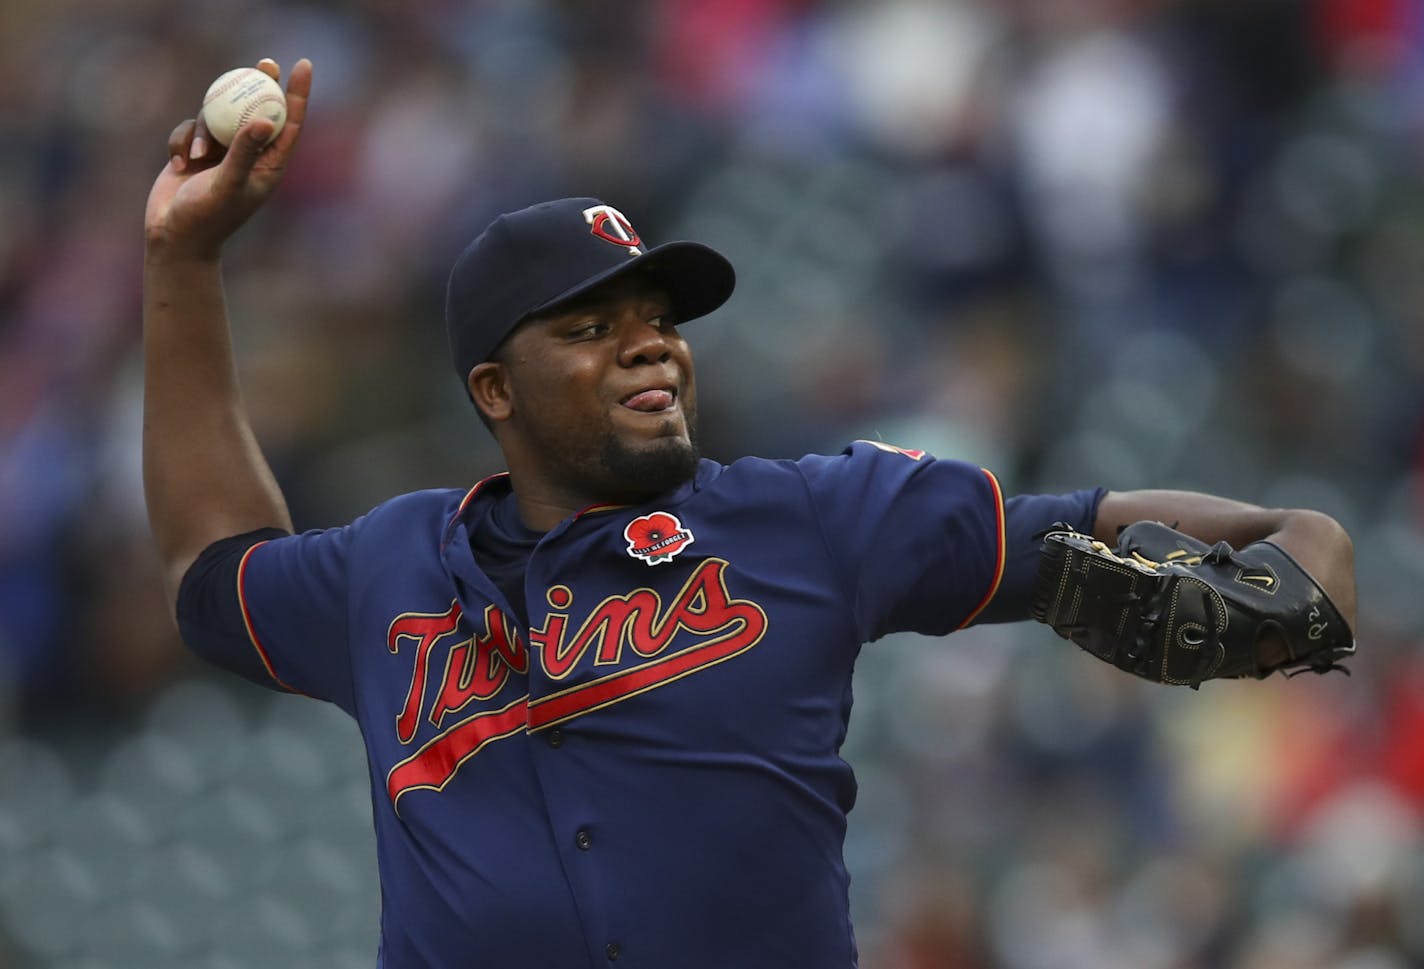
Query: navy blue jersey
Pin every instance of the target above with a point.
(648, 770)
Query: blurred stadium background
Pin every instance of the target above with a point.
(1128, 242)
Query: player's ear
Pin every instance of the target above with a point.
(488, 384)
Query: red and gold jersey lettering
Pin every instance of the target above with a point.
(425, 629)
(725, 627)
(432, 766)
(478, 668)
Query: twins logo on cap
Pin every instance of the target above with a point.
(613, 226)
(656, 538)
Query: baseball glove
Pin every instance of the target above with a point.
(1172, 609)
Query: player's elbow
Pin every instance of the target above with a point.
(1325, 550)
(1322, 532)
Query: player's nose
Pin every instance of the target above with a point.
(646, 341)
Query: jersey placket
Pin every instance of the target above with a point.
(561, 753)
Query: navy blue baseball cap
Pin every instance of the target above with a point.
(533, 260)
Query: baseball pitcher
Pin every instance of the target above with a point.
(603, 693)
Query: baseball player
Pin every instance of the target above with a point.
(602, 694)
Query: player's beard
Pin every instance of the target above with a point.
(656, 467)
(599, 465)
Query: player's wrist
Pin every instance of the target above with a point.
(163, 250)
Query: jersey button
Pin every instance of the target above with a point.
(555, 738)
(583, 841)
(611, 951)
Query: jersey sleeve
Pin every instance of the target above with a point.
(1026, 518)
(929, 545)
(273, 607)
(919, 542)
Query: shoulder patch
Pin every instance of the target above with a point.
(912, 454)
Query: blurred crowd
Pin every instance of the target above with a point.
(1136, 243)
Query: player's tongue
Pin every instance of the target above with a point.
(650, 400)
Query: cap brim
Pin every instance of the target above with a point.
(696, 278)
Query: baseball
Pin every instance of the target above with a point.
(240, 96)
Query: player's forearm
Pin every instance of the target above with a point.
(1315, 540)
(204, 476)
(1206, 517)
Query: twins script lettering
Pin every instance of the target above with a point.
(634, 637)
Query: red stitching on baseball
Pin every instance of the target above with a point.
(252, 107)
(228, 85)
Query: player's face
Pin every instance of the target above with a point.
(602, 394)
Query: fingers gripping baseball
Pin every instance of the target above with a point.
(298, 91)
(238, 173)
(206, 192)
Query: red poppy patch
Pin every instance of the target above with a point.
(656, 538)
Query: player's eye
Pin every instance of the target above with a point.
(588, 329)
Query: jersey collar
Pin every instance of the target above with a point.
(497, 485)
